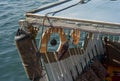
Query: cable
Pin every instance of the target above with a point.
(54, 12)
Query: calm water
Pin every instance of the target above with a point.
(10, 12)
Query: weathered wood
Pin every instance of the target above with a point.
(46, 38)
(75, 34)
(53, 58)
(83, 25)
(30, 15)
(28, 53)
(113, 53)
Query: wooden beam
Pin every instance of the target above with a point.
(83, 25)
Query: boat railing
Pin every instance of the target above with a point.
(83, 25)
(73, 62)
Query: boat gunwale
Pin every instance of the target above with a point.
(38, 19)
(72, 19)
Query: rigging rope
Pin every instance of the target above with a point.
(51, 25)
(54, 12)
(58, 64)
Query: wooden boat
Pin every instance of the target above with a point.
(71, 40)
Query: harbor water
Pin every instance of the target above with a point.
(10, 12)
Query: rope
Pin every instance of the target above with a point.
(58, 62)
(51, 24)
(40, 45)
(73, 62)
(54, 12)
(50, 66)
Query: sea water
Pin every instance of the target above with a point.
(11, 11)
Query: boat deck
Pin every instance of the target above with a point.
(108, 69)
(96, 16)
(97, 10)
